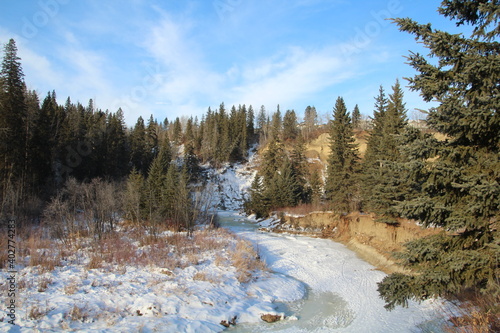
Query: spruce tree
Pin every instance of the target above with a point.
(383, 179)
(13, 112)
(356, 117)
(290, 126)
(343, 163)
(461, 178)
(250, 126)
(272, 160)
(138, 146)
(299, 165)
(316, 185)
(258, 203)
(284, 190)
(262, 124)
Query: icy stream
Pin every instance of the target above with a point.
(342, 289)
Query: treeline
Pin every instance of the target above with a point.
(45, 145)
(284, 179)
(350, 184)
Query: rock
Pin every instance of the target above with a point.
(231, 322)
(270, 318)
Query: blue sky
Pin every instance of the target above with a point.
(176, 58)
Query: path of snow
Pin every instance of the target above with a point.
(343, 286)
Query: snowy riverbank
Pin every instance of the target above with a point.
(342, 288)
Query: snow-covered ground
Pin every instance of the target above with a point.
(213, 281)
(342, 289)
(319, 285)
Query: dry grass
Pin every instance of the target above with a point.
(71, 288)
(476, 314)
(246, 261)
(77, 313)
(36, 312)
(116, 251)
(302, 209)
(202, 276)
(44, 284)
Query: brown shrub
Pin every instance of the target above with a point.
(246, 261)
(476, 314)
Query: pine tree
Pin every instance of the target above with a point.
(343, 163)
(258, 203)
(273, 158)
(262, 125)
(316, 185)
(250, 126)
(356, 117)
(13, 114)
(383, 179)
(276, 125)
(290, 126)
(138, 146)
(177, 131)
(460, 187)
(298, 161)
(283, 190)
(152, 143)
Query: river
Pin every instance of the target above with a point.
(341, 288)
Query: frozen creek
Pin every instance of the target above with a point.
(341, 288)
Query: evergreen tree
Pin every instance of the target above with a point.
(283, 190)
(383, 179)
(258, 203)
(134, 199)
(460, 188)
(262, 124)
(356, 117)
(316, 185)
(117, 156)
(177, 131)
(138, 146)
(13, 114)
(310, 121)
(290, 126)
(191, 162)
(343, 163)
(276, 125)
(152, 143)
(375, 153)
(250, 126)
(299, 167)
(273, 158)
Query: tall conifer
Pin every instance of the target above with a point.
(461, 177)
(343, 163)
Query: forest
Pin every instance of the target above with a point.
(67, 162)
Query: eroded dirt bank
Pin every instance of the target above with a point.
(372, 241)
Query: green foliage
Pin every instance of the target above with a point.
(258, 202)
(341, 186)
(460, 176)
(290, 126)
(356, 117)
(13, 115)
(384, 178)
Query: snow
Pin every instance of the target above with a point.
(231, 182)
(342, 288)
(188, 298)
(317, 285)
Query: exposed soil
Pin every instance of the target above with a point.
(373, 241)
